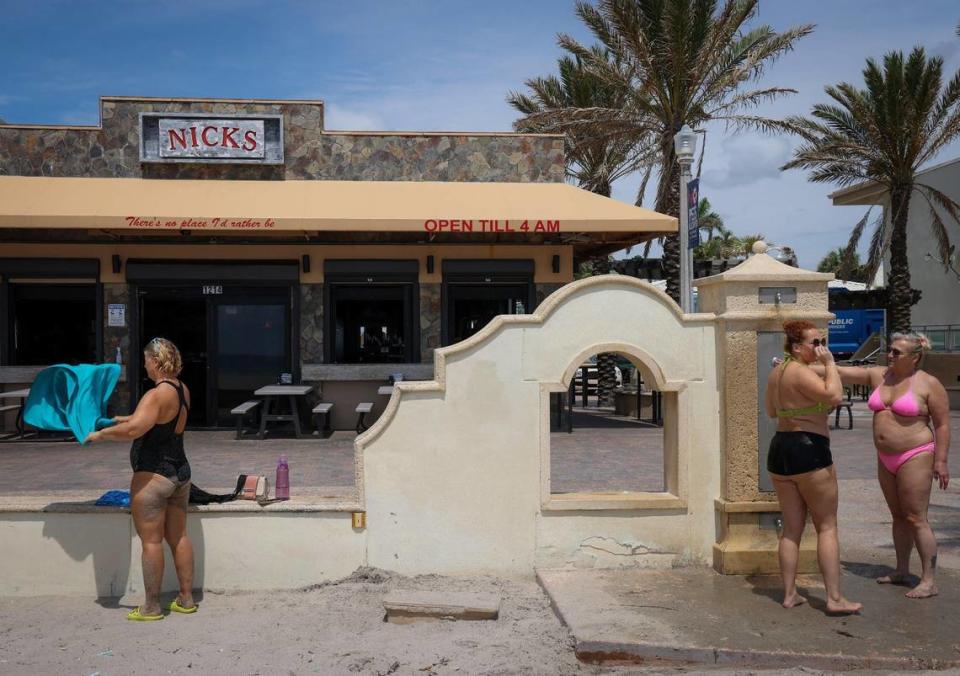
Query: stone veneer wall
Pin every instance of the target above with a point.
(309, 153)
(311, 323)
(430, 320)
(114, 336)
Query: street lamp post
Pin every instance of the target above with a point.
(685, 146)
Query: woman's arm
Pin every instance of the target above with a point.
(851, 375)
(939, 406)
(827, 389)
(136, 425)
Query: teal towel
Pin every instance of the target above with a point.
(71, 398)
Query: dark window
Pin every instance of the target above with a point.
(471, 307)
(370, 324)
(477, 290)
(52, 324)
(372, 312)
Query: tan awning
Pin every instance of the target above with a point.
(346, 206)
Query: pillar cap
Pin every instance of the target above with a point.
(762, 268)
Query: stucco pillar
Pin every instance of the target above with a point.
(751, 302)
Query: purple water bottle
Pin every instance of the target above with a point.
(283, 479)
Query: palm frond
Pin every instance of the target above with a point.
(936, 198)
(879, 243)
(642, 189)
(850, 250)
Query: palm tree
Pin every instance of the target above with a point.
(672, 62)
(843, 266)
(723, 244)
(883, 134)
(594, 163)
(707, 218)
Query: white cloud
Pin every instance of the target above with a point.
(744, 159)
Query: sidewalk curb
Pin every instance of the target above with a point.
(603, 652)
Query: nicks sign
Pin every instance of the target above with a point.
(206, 138)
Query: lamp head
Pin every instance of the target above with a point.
(685, 143)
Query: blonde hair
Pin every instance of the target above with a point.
(919, 341)
(166, 355)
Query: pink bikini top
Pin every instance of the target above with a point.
(906, 405)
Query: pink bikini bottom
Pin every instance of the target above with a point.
(893, 461)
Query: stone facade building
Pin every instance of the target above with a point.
(269, 248)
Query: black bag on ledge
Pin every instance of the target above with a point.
(198, 496)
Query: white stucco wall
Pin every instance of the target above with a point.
(96, 554)
(938, 305)
(454, 478)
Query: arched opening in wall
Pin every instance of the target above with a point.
(607, 430)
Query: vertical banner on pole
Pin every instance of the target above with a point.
(693, 213)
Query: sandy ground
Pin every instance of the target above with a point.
(335, 628)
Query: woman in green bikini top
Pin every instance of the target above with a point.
(814, 409)
(799, 460)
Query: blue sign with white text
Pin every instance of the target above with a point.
(693, 213)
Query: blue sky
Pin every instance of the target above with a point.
(438, 65)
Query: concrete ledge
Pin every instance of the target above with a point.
(96, 553)
(566, 502)
(27, 374)
(365, 371)
(609, 651)
(83, 503)
(734, 507)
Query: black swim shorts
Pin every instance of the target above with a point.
(797, 453)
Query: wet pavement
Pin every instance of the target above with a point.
(693, 615)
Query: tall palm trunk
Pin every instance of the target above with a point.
(668, 202)
(901, 296)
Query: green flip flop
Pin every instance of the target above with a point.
(137, 616)
(175, 607)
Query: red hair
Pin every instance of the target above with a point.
(794, 330)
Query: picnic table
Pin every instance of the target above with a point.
(22, 395)
(271, 394)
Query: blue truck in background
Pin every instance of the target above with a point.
(850, 328)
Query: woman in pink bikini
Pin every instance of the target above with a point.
(911, 455)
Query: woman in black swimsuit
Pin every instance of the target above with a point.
(160, 486)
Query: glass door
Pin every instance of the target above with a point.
(252, 346)
(178, 314)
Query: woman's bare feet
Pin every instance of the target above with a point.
(793, 600)
(924, 590)
(895, 577)
(843, 607)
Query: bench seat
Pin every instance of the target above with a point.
(363, 408)
(242, 410)
(321, 414)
